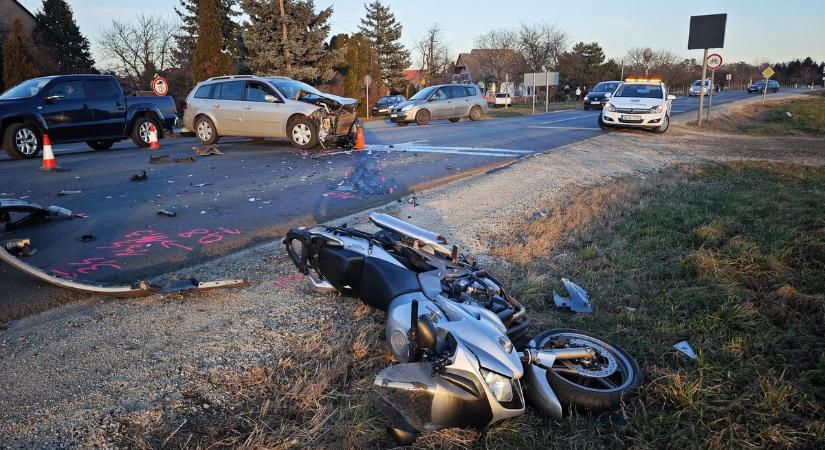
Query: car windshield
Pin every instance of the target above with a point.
(26, 89)
(384, 100)
(424, 93)
(605, 87)
(640, 91)
(291, 88)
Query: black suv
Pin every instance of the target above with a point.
(78, 108)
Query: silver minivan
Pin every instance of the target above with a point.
(448, 101)
(269, 107)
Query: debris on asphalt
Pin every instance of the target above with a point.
(192, 284)
(206, 151)
(159, 159)
(19, 247)
(203, 184)
(539, 214)
(33, 211)
(62, 193)
(86, 238)
(685, 348)
(578, 300)
(185, 159)
(141, 177)
(166, 212)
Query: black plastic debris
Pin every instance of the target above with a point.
(87, 238)
(207, 151)
(185, 159)
(167, 213)
(578, 300)
(141, 177)
(31, 212)
(19, 247)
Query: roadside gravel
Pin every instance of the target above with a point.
(69, 376)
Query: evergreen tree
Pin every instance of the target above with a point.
(17, 60)
(209, 59)
(301, 54)
(64, 49)
(229, 32)
(384, 32)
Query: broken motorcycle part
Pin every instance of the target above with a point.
(578, 300)
(19, 247)
(33, 213)
(86, 238)
(685, 348)
(167, 213)
(141, 177)
(206, 151)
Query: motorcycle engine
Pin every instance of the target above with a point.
(477, 291)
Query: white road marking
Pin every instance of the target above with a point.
(471, 151)
(569, 118)
(564, 128)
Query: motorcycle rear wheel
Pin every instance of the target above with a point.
(579, 384)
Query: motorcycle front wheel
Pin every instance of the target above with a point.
(597, 385)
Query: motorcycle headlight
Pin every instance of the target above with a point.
(656, 109)
(610, 107)
(407, 108)
(501, 386)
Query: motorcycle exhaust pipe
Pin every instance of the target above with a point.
(434, 240)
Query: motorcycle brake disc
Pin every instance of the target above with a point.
(605, 365)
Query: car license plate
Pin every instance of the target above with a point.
(393, 115)
(595, 102)
(626, 117)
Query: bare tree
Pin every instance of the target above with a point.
(136, 50)
(499, 56)
(435, 62)
(542, 45)
(663, 64)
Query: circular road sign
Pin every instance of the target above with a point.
(367, 80)
(714, 61)
(160, 86)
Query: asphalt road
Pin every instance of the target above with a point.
(253, 193)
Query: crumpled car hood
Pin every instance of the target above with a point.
(343, 101)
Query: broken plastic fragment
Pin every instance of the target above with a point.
(685, 348)
(62, 193)
(166, 212)
(578, 301)
(141, 177)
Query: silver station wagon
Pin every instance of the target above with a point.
(449, 101)
(269, 107)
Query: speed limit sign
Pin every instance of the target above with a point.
(160, 86)
(714, 61)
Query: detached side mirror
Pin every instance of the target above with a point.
(54, 98)
(671, 97)
(270, 99)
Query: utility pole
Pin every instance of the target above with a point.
(284, 32)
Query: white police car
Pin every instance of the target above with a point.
(638, 104)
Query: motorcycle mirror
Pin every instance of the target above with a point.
(425, 333)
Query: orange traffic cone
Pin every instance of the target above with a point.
(154, 144)
(359, 140)
(49, 163)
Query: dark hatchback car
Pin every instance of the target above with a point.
(385, 104)
(600, 94)
(759, 87)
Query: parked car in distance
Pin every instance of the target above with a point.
(638, 104)
(600, 94)
(385, 104)
(269, 107)
(503, 98)
(78, 108)
(759, 87)
(447, 101)
(695, 88)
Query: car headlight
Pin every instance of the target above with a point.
(407, 108)
(656, 109)
(501, 386)
(586, 98)
(610, 107)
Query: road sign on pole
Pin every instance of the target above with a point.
(160, 86)
(706, 32)
(767, 73)
(714, 61)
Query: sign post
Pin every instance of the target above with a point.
(534, 92)
(767, 73)
(729, 77)
(706, 32)
(714, 62)
(367, 82)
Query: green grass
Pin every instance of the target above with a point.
(526, 109)
(807, 118)
(730, 257)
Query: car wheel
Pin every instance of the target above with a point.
(140, 132)
(455, 119)
(587, 108)
(205, 131)
(302, 133)
(100, 145)
(664, 126)
(22, 141)
(475, 113)
(423, 117)
(402, 124)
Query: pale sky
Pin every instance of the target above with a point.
(756, 30)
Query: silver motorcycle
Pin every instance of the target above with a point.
(459, 337)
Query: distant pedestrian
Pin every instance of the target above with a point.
(567, 92)
(578, 92)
